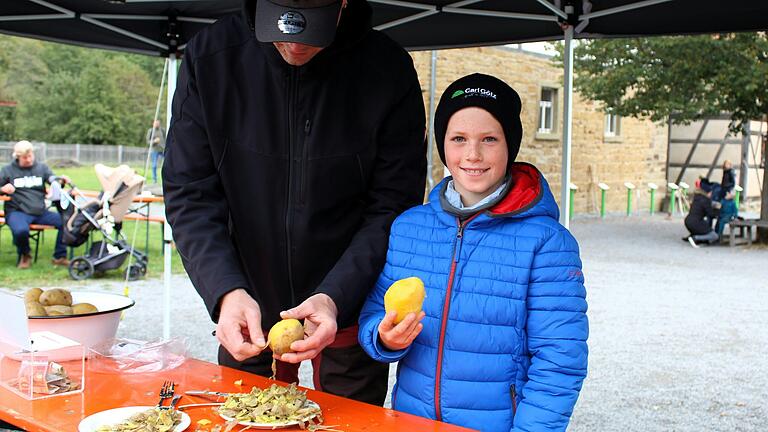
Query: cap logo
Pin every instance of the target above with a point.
(291, 23)
(457, 93)
(477, 92)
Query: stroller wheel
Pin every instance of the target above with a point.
(80, 268)
(134, 272)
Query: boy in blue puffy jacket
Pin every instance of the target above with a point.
(501, 342)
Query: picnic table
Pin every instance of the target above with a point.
(109, 390)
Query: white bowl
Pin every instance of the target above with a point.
(87, 329)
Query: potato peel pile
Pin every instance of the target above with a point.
(151, 420)
(273, 405)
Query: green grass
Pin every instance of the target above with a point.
(44, 274)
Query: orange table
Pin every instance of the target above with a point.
(105, 391)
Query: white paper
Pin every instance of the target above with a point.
(13, 326)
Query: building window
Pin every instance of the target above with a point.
(612, 125)
(547, 110)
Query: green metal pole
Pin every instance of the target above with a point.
(672, 202)
(570, 209)
(602, 203)
(629, 201)
(653, 201)
(737, 198)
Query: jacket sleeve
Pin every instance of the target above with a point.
(396, 184)
(195, 203)
(5, 178)
(371, 315)
(557, 331)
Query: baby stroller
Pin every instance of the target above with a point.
(81, 215)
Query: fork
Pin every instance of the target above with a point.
(166, 392)
(174, 402)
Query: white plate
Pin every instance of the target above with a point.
(268, 425)
(117, 415)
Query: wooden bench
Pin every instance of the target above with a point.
(745, 224)
(147, 219)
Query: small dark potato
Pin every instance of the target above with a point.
(32, 295)
(58, 310)
(35, 309)
(56, 296)
(83, 308)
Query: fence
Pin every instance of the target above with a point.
(82, 153)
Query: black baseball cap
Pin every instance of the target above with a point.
(309, 22)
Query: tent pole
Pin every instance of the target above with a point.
(565, 178)
(430, 136)
(167, 235)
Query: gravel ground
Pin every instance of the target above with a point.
(677, 341)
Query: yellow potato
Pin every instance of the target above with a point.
(56, 296)
(283, 334)
(83, 308)
(35, 309)
(58, 310)
(32, 295)
(405, 296)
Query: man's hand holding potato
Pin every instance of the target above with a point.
(319, 314)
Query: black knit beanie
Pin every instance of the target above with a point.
(488, 93)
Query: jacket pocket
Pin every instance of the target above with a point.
(513, 396)
(360, 167)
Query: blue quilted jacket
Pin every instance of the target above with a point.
(504, 339)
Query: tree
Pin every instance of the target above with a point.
(76, 95)
(689, 76)
(91, 98)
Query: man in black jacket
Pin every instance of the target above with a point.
(293, 145)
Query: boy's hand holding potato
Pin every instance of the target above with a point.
(396, 337)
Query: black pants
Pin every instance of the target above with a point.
(342, 369)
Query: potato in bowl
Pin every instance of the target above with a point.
(89, 327)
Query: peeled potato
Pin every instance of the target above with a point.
(32, 295)
(58, 310)
(404, 296)
(56, 296)
(283, 334)
(35, 309)
(83, 308)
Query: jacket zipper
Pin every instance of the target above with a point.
(293, 85)
(304, 163)
(446, 307)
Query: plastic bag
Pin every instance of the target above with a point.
(135, 356)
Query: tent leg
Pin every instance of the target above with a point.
(565, 178)
(430, 135)
(167, 237)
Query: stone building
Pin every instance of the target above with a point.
(605, 149)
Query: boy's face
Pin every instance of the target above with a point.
(476, 153)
